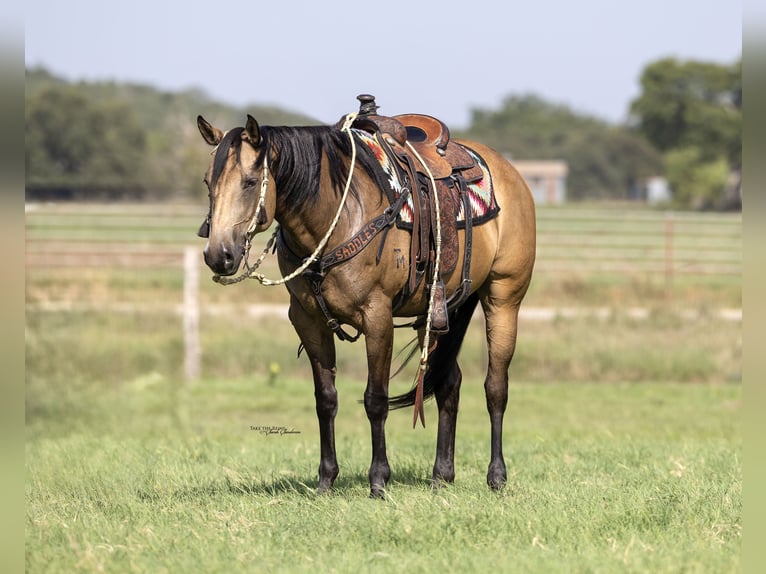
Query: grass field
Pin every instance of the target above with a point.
(131, 469)
(622, 439)
(602, 478)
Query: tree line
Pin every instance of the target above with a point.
(106, 140)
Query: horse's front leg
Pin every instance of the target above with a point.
(379, 338)
(320, 348)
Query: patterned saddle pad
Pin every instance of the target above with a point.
(480, 192)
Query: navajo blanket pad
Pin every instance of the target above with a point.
(480, 193)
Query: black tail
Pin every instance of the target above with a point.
(440, 361)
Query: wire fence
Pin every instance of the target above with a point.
(73, 238)
(569, 239)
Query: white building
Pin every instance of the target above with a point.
(657, 190)
(546, 178)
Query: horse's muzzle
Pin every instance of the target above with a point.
(222, 259)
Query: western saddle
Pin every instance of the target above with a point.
(452, 168)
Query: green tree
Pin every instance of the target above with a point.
(696, 182)
(91, 136)
(75, 144)
(692, 112)
(605, 161)
(692, 103)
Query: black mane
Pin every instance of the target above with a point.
(297, 163)
(298, 160)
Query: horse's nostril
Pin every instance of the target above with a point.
(228, 256)
(221, 259)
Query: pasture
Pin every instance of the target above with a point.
(622, 438)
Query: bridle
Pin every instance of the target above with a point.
(250, 271)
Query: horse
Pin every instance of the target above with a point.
(295, 176)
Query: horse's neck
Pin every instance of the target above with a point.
(305, 229)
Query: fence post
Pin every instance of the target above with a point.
(191, 314)
(669, 231)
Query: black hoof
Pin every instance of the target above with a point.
(496, 476)
(378, 492)
(443, 473)
(496, 484)
(438, 482)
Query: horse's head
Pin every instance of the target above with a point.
(240, 203)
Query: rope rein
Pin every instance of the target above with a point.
(250, 271)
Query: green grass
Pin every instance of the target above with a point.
(129, 469)
(93, 350)
(602, 478)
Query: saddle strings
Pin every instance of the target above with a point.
(418, 411)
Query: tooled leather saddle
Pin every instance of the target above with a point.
(452, 168)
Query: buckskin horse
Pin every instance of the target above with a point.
(367, 215)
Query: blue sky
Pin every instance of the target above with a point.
(431, 57)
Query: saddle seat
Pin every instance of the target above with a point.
(451, 168)
(429, 136)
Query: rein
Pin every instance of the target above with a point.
(250, 271)
(314, 268)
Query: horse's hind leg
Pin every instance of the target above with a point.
(501, 315)
(443, 365)
(447, 399)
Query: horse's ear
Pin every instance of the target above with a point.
(252, 131)
(211, 135)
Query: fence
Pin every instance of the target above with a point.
(635, 242)
(569, 240)
(582, 241)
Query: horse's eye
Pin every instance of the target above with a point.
(249, 183)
